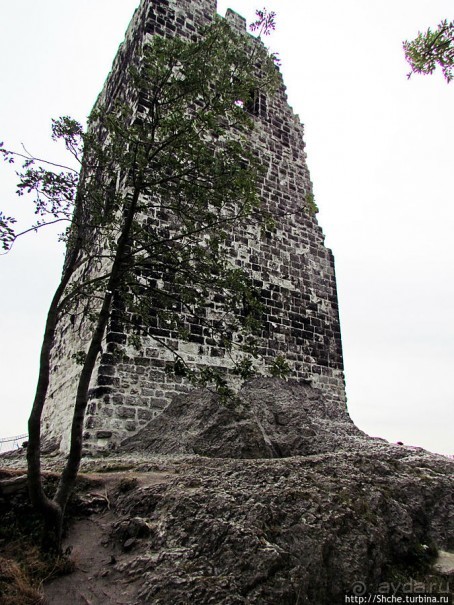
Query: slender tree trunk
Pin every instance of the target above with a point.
(52, 529)
(50, 510)
(69, 474)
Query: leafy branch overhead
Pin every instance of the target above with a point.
(265, 22)
(432, 48)
(53, 191)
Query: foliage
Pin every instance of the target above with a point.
(166, 171)
(7, 234)
(311, 204)
(265, 22)
(280, 367)
(244, 368)
(79, 357)
(432, 48)
(54, 191)
(415, 565)
(199, 178)
(264, 25)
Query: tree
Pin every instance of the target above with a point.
(430, 49)
(54, 191)
(182, 155)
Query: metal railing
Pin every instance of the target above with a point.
(12, 443)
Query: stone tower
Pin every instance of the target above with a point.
(293, 270)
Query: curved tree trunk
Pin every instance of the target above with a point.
(51, 512)
(36, 491)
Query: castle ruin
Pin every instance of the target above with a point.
(292, 269)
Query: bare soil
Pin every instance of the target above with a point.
(95, 580)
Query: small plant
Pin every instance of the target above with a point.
(268, 225)
(421, 556)
(311, 205)
(244, 368)
(79, 357)
(280, 367)
(265, 22)
(135, 342)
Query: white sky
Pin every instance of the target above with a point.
(380, 152)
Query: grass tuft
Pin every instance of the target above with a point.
(15, 585)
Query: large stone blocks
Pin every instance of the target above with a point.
(289, 265)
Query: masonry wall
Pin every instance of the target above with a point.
(290, 265)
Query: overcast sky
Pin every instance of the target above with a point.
(380, 152)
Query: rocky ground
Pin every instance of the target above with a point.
(350, 514)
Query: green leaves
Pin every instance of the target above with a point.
(166, 168)
(71, 132)
(280, 367)
(265, 22)
(52, 191)
(8, 156)
(244, 368)
(180, 140)
(430, 49)
(311, 205)
(7, 234)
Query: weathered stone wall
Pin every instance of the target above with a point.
(290, 265)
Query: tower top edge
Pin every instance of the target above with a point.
(236, 20)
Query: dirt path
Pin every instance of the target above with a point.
(92, 582)
(95, 580)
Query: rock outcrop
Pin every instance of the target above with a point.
(225, 515)
(268, 418)
(266, 500)
(194, 530)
